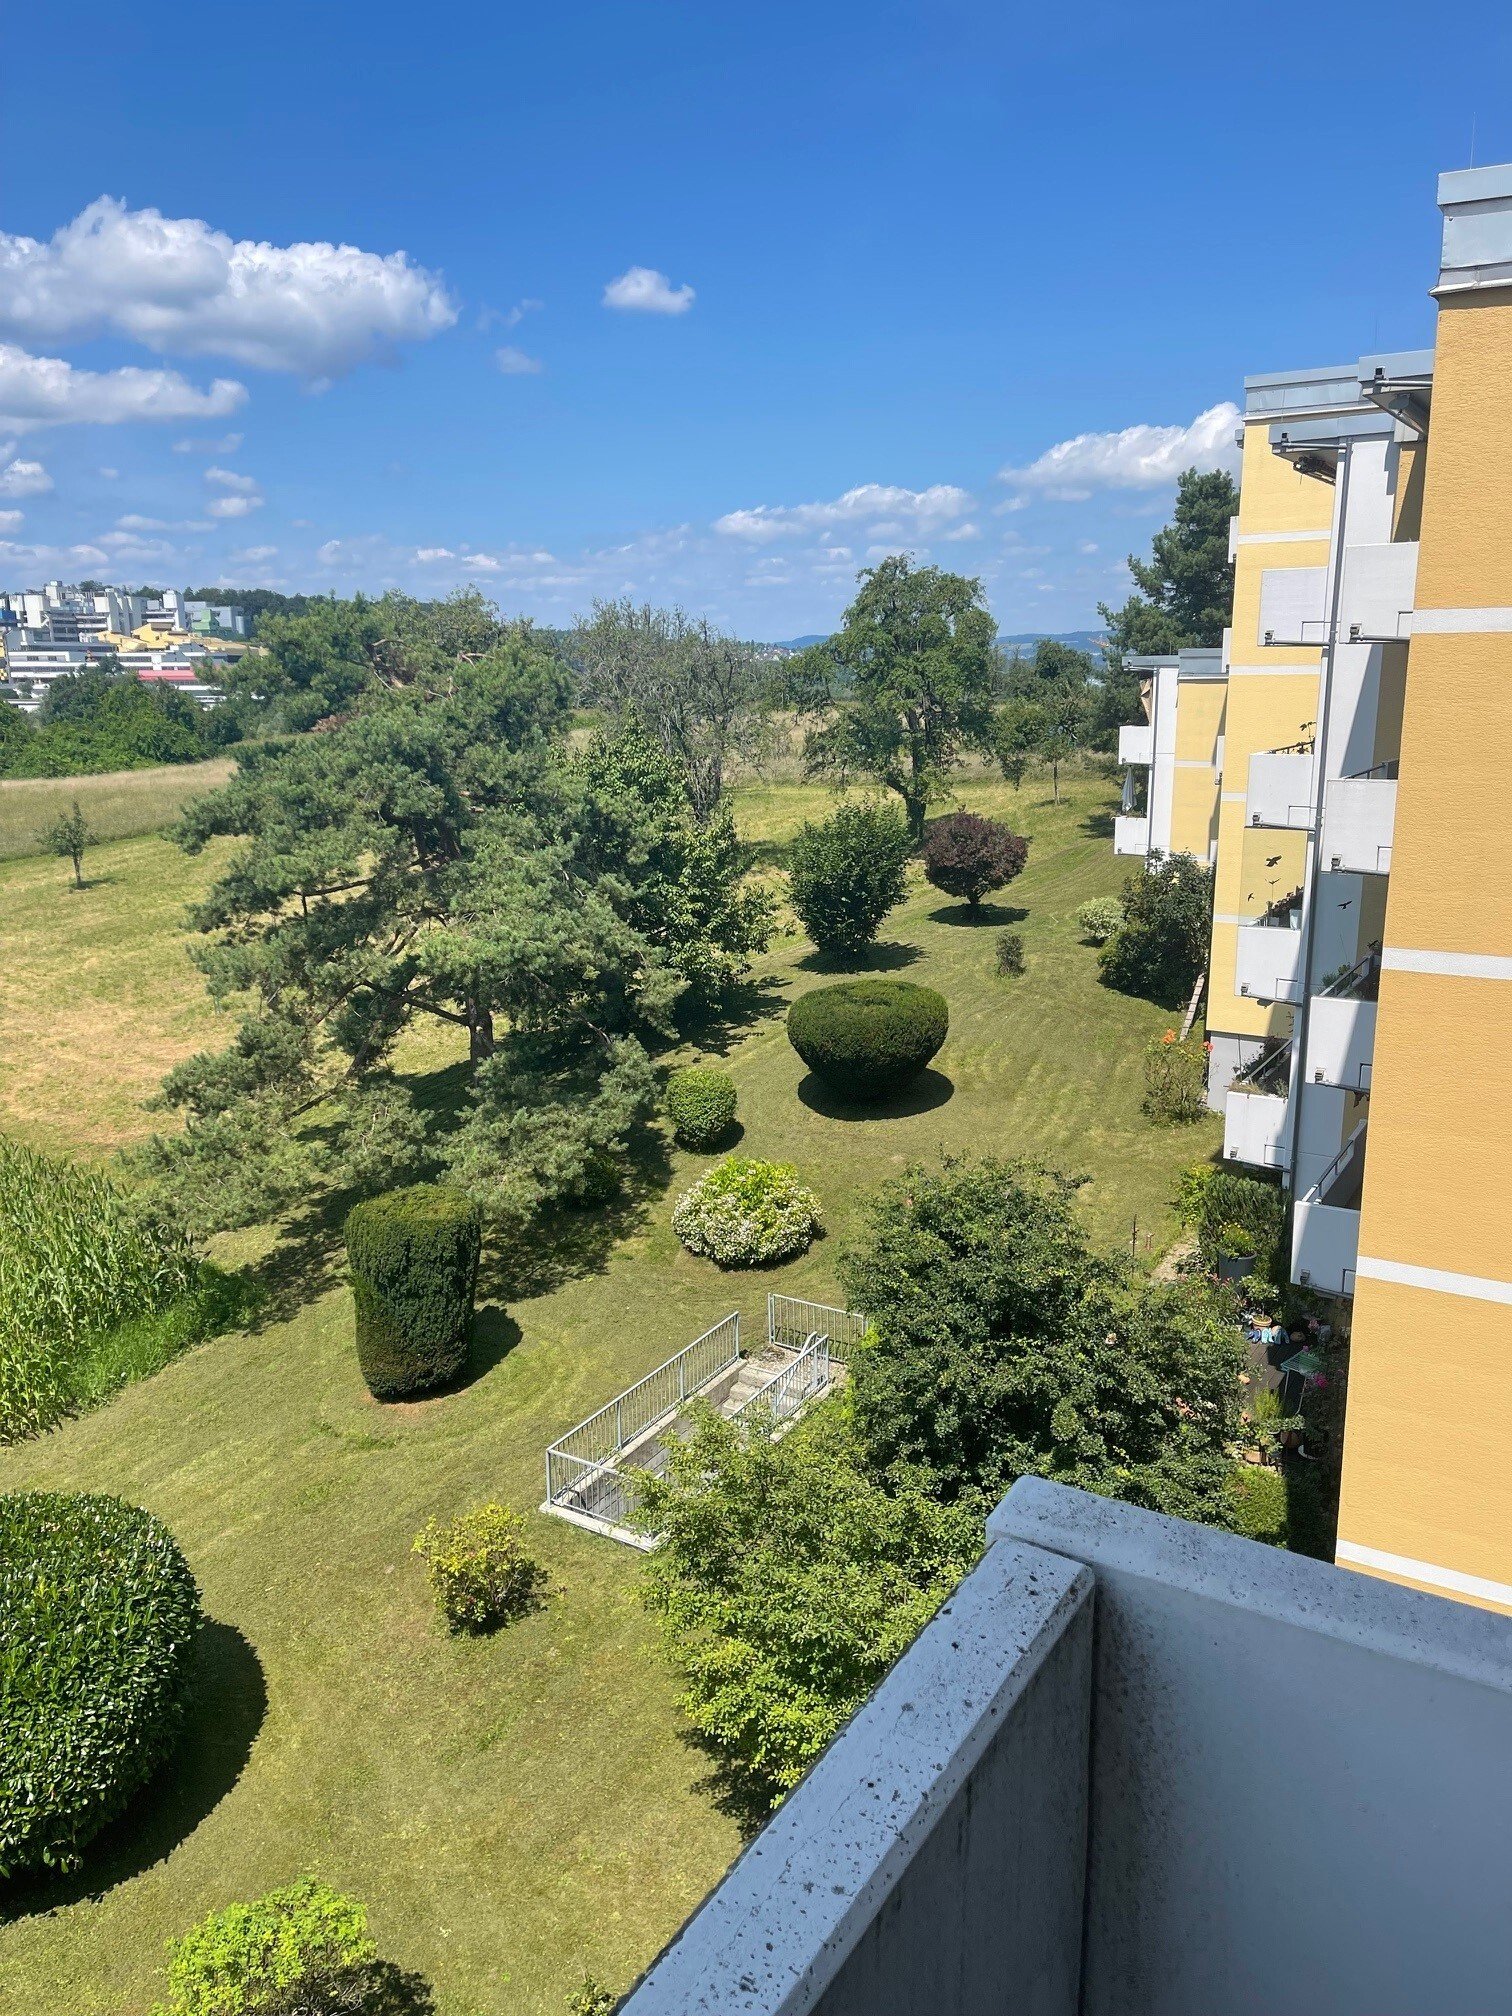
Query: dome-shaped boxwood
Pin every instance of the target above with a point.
(414, 1263)
(868, 1038)
(98, 1619)
(700, 1104)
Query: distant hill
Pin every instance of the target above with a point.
(1093, 641)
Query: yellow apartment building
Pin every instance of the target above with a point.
(1358, 997)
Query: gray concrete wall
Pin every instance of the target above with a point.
(1301, 1795)
(931, 1863)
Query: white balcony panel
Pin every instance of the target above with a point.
(1380, 585)
(1131, 835)
(1325, 1248)
(1280, 790)
(1359, 816)
(1267, 963)
(1137, 745)
(1293, 605)
(1256, 1129)
(1341, 1042)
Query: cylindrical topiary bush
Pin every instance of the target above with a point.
(414, 1263)
(98, 1620)
(700, 1105)
(866, 1039)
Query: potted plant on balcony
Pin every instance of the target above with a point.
(1235, 1251)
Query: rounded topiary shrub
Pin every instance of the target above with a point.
(302, 1948)
(700, 1105)
(414, 1262)
(868, 1038)
(745, 1213)
(98, 1619)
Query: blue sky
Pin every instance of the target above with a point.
(869, 259)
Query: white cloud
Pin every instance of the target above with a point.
(426, 555)
(515, 363)
(1135, 458)
(647, 292)
(134, 522)
(110, 475)
(966, 531)
(253, 556)
(23, 479)
(176, 285)
(46, 391)
(884, 510)
(9, 520)
(233, 507)
(231, 479)
(227, 444)
(1086, 546)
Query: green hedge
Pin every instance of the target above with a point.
(299, 1949)
(98, 1619)
(700, 1104)
(868, 1038)
(414, 1263)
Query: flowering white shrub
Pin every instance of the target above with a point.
(745, 1212)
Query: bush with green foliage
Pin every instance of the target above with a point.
(746, 1213)
(303, 1950)
(1234, 1214)
(414, 1263)
(106, 719)
(967, 855)
(1010, 954)
(700, 1104)
(846, 872)
(1257, 1503)
(480, 1573)
(592, 1999)
(1175, 1074)
(1099, 918)
(867, 1039)
(1162, 945)
(787, 1582)
(98, 1620)
(1003, 1346)
(79, 1257)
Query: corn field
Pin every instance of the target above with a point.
(77, 1257)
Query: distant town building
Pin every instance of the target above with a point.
(50, 632)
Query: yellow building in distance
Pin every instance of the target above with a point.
(1360, 973)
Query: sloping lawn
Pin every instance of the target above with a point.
(520, 1810)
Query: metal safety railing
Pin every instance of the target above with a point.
(789, 1391)
(1360, 982)
(596, 1442)
(793, 1323)
(1269, 1072)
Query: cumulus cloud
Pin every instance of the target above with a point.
(254, 556)
(177, 286)
(23, 479)
(427, 555)
(9, 520)
(233, 506)
(644, 291)
(110, 475)
(225, 444)
(47, 392)
(231, 479)
(516, 363)
(1134, 458)
(880, 510)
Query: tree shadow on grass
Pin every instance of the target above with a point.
(984, 913)
(728, 1788)
(886, 958)
(745, 1003)
(931, 1089)
(226, 1712)
(570, 1241)
(1098, 825)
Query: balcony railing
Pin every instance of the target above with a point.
(1268, 1071)
(1359, 819)
(1137, 744)
(1131, 834)
(1326, 1223)
(1280, 788)
(1268, 962)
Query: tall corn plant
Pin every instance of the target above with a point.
(78, 1256)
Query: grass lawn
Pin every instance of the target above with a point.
(520, 1810)
(117, 804)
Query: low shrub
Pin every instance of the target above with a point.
(303, 1950)
(1099, 918)
(868, 1038)
(480, 1573)
(1231, 1214)
(79, 1256)
(1257, 1503)
(967, 855)
(591, 1999)
(700, 1104)
(414, 1264)
(846, 873)
(98, 1620)
(1175, 1078)
(1010, 954)
(745, 1213)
